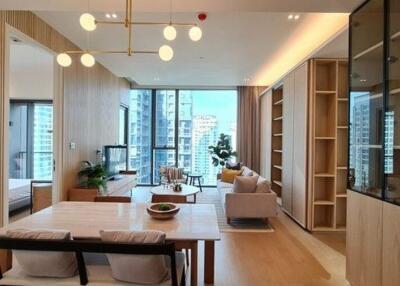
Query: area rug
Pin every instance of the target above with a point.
(210, 196)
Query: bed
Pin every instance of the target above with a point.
(19, 194)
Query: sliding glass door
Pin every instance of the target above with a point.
(169, 127)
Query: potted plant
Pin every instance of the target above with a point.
(222, 152)
(92, 178)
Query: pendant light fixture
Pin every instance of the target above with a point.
(170, 31)
(165, 52)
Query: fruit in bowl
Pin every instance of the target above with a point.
(162, 210)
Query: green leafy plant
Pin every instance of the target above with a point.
(93, 176)
(222, 152)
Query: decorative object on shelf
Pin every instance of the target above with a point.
(93, 176)
(89, 23)
(352, 177)
(162, 210)
(222, 152)
(177, 187)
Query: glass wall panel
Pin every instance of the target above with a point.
(42, 141)
(165, 118)
(140, 134)
(203, 115)
(367, 111)
(392, 128)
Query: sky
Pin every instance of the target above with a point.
(221, 103)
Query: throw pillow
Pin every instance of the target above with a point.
(228, 176)
(44, 263)
(140, 269)
(247, 171)
(263, 185)
(245, 184)
(233, 166)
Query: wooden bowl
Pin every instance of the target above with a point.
(154, 211)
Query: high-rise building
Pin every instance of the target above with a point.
(185, 131)
(43, 142)
(204, 134)
(140, 134)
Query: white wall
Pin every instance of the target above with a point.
(31, 73)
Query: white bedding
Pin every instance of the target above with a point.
(19, 189)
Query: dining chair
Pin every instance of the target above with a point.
(112, 199)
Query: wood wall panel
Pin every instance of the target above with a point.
(364, 240)
(391, 245)
(91, 97)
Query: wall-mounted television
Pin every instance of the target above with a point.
(115, 160)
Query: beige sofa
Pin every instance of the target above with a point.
(247, 205)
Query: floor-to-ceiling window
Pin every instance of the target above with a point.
(170, 127)
(31, 140)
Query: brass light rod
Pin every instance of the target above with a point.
(111, 52)
(147, 23)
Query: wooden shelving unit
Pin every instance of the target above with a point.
(276, 140)
(329, 136)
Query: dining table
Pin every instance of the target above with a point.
(192, 224)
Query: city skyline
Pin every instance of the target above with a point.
(195, 133)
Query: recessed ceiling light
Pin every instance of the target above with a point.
(114, 15)
(297, 17)
(363, 80)
(290, 17)
(108, 15)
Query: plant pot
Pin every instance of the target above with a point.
(83, 194)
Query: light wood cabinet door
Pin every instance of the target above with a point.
(300, 123)
(391, 245)
(287, 143)
(364, 240)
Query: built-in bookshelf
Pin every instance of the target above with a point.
(276, 140)
(329, 144)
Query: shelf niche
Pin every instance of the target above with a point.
(325, 75)
(325, 109)
(324, 189)
(323, 217)
(324, 157)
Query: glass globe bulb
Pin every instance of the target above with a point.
(166, 53)
(88, 22)
(88, 60)
(64, 60)
(170, 33)
(195, 33)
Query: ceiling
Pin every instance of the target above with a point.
(243, 41)
(316, 6)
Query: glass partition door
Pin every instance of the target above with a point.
(392, 136)
(366, 105)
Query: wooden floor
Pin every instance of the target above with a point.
(288, 256)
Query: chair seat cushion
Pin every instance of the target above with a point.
(97, 275)
(144, 269)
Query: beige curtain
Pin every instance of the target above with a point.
(248, 126)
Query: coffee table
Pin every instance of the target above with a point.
(162, 194)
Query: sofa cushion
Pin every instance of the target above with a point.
(228, 176)
(246, 171)
(263, 185)
(44, 263)
(144, 269)
(245, 184)
(233, 166)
